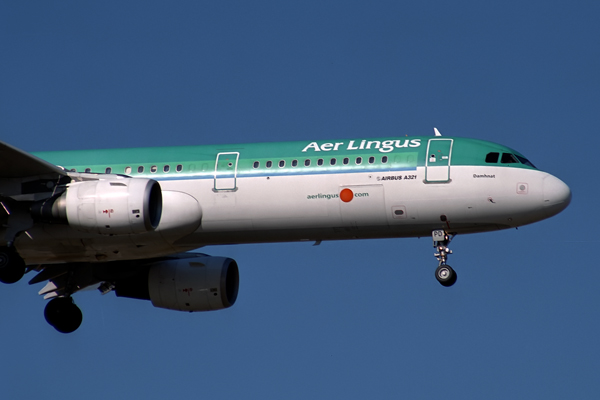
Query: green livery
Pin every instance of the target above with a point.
(200, 160)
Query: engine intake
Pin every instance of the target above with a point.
(114, 207)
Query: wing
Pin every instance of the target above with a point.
(15, 163)
(23, 178)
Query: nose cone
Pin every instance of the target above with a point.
(557, 194)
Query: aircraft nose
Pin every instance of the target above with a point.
(557, 194)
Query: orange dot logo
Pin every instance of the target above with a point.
(346, 195)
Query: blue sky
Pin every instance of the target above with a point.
(347, 320)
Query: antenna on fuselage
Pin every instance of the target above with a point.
(437, 133)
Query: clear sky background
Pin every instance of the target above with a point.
(347, 320)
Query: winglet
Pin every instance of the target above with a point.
(437, 133)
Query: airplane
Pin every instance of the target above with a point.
(127, 220)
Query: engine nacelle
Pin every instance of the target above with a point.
(109, 206)
(202, 283)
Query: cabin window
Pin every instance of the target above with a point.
(294, 163)
(108, 170)
(140, 169)
(358, 160)
(88, 170)
(269, 164)
(179, 168)
(346, 161)
(166, 168)
(371, 160)
(153, 169)
(384, 159)
(508, 158)
(256, 164)
(127, 170)
(332, 161)
(525, 161)
(307, 163)
(320, 161)
(492, 158)
(281, 164)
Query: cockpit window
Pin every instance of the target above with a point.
(525, 161)
(508, 158)
(492, 158)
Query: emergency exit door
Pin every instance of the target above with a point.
(226, 171)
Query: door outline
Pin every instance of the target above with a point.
(363, 211)
(440, 171)
(225, 177)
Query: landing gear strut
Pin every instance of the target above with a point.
(12, 266)
(444, 273)
(63, 314)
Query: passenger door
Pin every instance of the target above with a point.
(437, 164)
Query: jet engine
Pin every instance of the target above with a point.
(201, 283)
(113, 207)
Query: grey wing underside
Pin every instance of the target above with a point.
(16, 163)
(23, 177)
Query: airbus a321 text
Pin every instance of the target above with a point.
(125, 220)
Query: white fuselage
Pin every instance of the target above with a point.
(315, 207)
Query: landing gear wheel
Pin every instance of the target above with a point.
(63, 314)
(12, 266)
(441, 240)
(445, 275)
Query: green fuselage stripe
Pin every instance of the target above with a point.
(404, 153)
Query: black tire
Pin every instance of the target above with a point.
(445, 275)
(12, 266)
(63, 314)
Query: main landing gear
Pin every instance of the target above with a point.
(444, 273)
(60, 312)
(63, 314)
(12, 266)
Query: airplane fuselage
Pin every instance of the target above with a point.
(306, 191)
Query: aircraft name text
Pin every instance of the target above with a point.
(384, 146)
